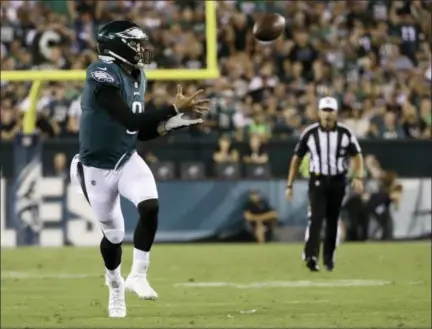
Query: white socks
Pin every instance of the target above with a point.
(140, 264)
(141, 261)
(114, 273)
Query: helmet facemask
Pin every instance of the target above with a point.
(144, 51)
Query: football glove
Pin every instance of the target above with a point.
(179, 121)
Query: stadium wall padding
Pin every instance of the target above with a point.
(190, 211)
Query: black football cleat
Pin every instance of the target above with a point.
(312, 264)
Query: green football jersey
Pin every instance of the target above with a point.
(104, 142)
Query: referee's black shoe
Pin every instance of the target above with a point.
(329, 266)
(312, 264)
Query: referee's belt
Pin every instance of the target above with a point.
(338, 177)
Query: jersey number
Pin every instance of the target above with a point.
(137, 107)
(409, 33)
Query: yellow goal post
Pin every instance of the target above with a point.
(210, 72)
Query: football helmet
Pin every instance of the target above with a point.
(126, 42)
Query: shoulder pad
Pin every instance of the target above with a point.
(106, 59)
(104, 72)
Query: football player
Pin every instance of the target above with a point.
(107, 166)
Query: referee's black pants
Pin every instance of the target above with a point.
(325, 199)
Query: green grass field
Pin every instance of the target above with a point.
(223, 286)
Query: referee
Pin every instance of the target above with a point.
(329, 144)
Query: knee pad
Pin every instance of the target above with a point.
(148, 208)
(114, 236)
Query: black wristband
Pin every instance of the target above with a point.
(288, 186)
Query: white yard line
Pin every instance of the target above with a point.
(19, 275)
(32, 276)
(13, 275)
(286, 284)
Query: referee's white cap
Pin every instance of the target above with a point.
(328, 103)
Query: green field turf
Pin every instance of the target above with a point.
(374, 286)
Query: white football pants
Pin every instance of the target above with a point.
(134, 181)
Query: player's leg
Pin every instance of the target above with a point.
(111, 250)
(137, 184)
(100, 189)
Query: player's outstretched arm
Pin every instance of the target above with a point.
(174, 123)
(182, 104)
(111, 100)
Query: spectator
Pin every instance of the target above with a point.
(373, 168)
(310, 115)
(44, 122)
(413, 126)
(379, 208)
(283, 127)
(10, 124)
(262, 85)
(295, 124)
(241, 121)
(374, 204)
(260, 217)
(407, 31)
(391, 129)
(426, 116)
(223, 111)
(225, 153)
(57, 110)
(74, 114)
(303, 51)
(260, 126)
(356, 222)
(85, 30)
(77, 8)
(256, 152)
(358, 123)
(397, 62)
(241, 26)
(60, 165)
(297, 79)
(158, 98)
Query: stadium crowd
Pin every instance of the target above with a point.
(374, 56)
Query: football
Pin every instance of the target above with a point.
(269, 27)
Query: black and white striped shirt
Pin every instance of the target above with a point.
(329, 149)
